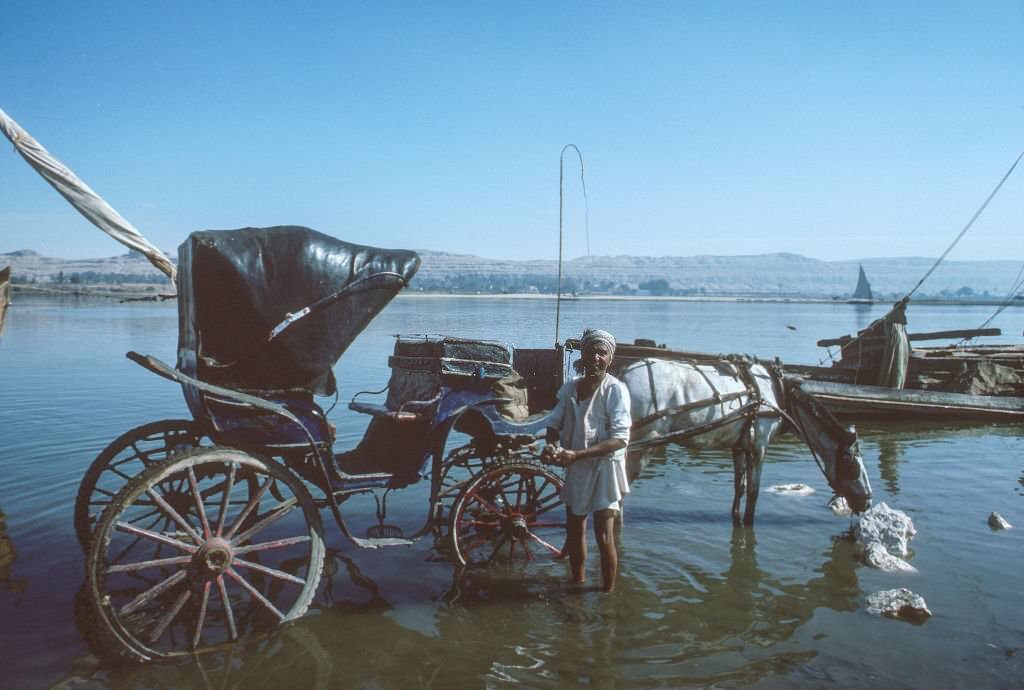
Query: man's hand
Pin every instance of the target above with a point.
(554, 454)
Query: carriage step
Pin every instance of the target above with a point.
(381, 542)
(384, 532)
(383, 411)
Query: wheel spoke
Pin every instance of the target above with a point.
(134, 542)
(229, 613)
(268, 545)
(152, 592)
(278, 513)
(173, 514)
(155, 536)
(119, 473)
(230, 572)
(200, 508)
(490, 524)
(253, 502)
(539, 509)
(222, 513)
(551, 525)
(201, 618)
(545, 544)
(520, 489)
(169, 615)
(142, 565)
(272, 572)
(487, 504)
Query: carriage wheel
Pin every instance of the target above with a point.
(125, 458)
(459, 469)
(235, 554)
(510, 513)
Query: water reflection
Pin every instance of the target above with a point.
(8, 556)
(291, 657)
(890, 453)
(861, 316)
(700, 630)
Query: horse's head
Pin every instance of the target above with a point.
(851, 477)
(837, 448)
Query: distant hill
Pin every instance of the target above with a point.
(757, 274)
(754, 275)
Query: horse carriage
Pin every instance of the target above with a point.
(200, 531)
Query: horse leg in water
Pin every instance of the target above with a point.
(747, 460)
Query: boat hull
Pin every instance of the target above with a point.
(854, 402)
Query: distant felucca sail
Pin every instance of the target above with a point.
(81, 196)
(862, 293)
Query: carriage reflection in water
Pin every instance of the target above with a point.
(202, 531)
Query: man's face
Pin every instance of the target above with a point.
(596, 358)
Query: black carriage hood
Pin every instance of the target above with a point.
(241, 296)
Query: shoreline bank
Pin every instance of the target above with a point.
(157, 293)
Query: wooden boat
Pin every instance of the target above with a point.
(852, 402)
(954, 383)
(5, 292)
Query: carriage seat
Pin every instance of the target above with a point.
(237, 424)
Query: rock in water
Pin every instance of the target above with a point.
(899, 603)
(890, 528)
(839, 506)
(876, 556)
(997, 522)
(795, 489)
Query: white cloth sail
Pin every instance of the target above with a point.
(81, 196)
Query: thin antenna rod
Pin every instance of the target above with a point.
(561, 226)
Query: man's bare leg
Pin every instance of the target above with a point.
(576, 545)
(604, 532)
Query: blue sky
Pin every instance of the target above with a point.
(833, 130)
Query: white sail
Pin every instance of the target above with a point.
(81, 196)
(862, 293)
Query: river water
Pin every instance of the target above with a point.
(699, 603)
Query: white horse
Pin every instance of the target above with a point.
(738, 404)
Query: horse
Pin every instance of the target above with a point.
(740, 404)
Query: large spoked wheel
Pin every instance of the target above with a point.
(125, 458)
(460, 468)
(236, 553)
(510, 513)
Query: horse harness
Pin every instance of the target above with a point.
(749, 410)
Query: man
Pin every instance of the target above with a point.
(588, 436)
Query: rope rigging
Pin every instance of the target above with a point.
(902, 303)
(1011, 295)
(967, 227)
